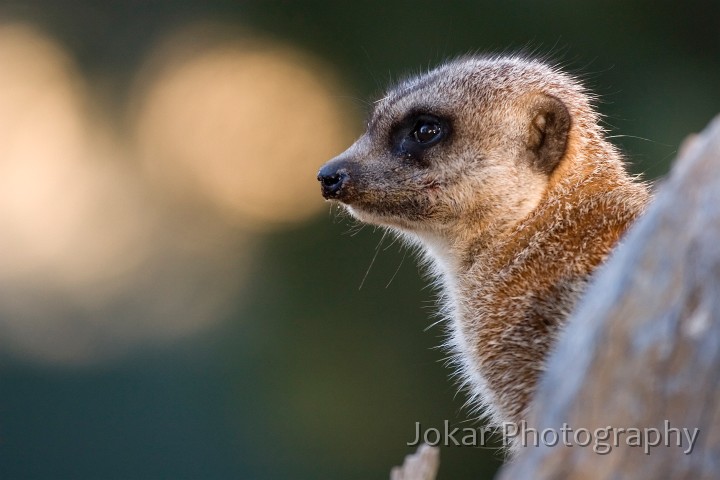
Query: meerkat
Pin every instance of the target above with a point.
(498, 168)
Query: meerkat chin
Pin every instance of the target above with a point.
(499, 169)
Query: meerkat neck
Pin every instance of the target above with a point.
(454, 249)
(451, 250)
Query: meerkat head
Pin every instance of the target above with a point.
(473, 141)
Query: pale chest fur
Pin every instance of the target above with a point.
(500, 336)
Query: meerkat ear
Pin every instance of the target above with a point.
(548, 132)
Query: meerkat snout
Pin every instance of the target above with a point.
(333, 176)
(498, 168)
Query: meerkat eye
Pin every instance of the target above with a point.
(418, 133)
(426, 131)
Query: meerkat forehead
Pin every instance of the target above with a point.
(476, 83)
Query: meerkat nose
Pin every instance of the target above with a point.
(332, 179)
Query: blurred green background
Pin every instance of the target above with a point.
(160, 321)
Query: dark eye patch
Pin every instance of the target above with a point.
(418, 132)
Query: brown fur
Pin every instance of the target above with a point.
(515, 208)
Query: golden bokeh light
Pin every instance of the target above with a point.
(242, 123)
(99, 256)
(92, 265)
(42, 141)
